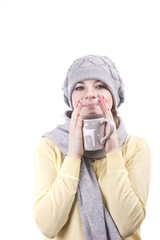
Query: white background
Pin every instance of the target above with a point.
(39, 39)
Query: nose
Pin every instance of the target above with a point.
(91, 93)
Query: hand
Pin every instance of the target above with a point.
(75, 146)
(112, 144)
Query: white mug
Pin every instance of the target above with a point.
(94, 136)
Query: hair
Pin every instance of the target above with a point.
(114, 111)
(116, 117)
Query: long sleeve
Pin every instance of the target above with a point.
(128, 178)
(56, 179)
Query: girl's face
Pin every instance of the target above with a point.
(89, 92)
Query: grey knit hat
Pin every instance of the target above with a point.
(98, 68)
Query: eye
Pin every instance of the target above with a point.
(101, 86)
(79, 88)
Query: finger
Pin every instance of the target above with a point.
(77, 109)
(102, 102)
(79, 121)
(75, 113)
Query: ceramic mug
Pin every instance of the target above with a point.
(94, 136)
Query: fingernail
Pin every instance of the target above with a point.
(79, 100)
(108, 109)
(103, 97)
(79, 114)
(77, 105)
(99, 101)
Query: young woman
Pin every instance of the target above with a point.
(97, 196)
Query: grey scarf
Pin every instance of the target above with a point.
(96, 221)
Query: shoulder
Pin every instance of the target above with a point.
(47, 146)
(135, 146)
(44, 141)
(134, 141)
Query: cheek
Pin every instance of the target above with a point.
(75, 99)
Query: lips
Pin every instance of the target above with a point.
(90, 105)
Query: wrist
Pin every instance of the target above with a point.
(73, 155)
(113, 150)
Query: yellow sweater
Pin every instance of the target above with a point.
(123, 179)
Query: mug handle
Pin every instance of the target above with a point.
(111, 129)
